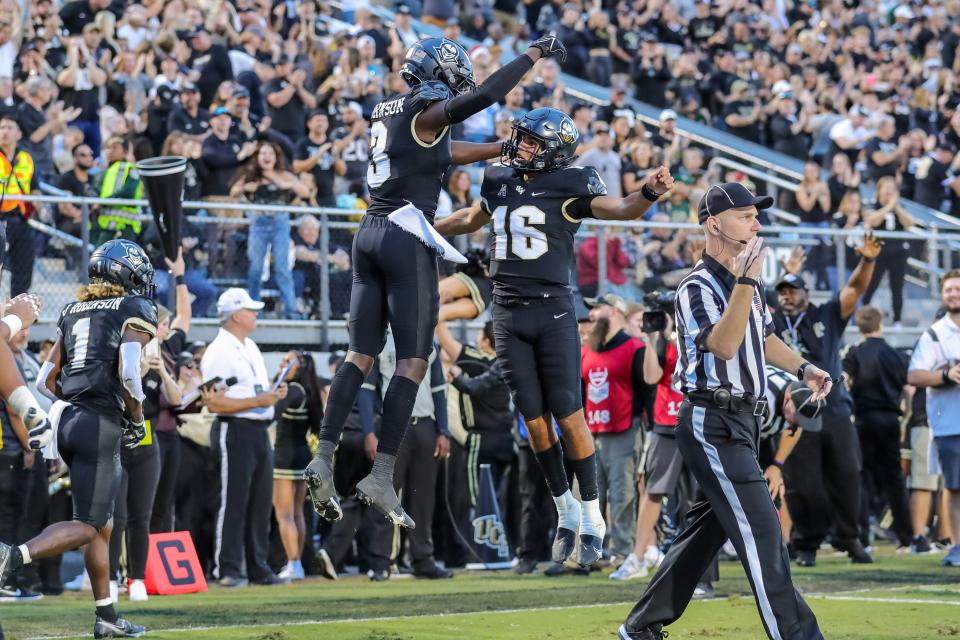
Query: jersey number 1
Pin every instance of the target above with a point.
(81, 337)
(378, 170)
(514, 230)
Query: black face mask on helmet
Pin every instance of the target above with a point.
(556, 135)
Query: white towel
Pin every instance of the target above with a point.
(51, 451)
(411, 220)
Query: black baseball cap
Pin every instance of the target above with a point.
(791, 280)
(808, 413)
(729, 195)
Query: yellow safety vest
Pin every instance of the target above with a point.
(15, 180)
(118, 217)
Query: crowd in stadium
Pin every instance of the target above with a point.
(269, 102)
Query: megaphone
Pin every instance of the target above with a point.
(163, 179)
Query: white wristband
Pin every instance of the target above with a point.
(14, 323)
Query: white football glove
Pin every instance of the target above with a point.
(39, 429)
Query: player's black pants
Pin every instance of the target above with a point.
(395, 280)
(161, 520)
(538, 515)
(720, 448)
(90, 445)
(358, 520)
(416, 475)
(879, 433)
(131, 515)
(539, 344)
(822, 478)
(13, 479)
(245, 460)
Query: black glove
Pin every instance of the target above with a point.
(550, 47)
(132, 433)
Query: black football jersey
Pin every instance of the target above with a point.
(531, 247)
(403, 168)
(90, 335)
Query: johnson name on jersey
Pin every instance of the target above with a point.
(534, 223)
(403, 168)
(90, 335)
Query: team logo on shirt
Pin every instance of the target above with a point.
(520, 189)
(599, 388)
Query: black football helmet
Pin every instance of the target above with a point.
(556, 133)
(123, 263)
(438, 59)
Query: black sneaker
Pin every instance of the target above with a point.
(28, 595)
(232, 582)
(271, 580)
(560, 569)
(920, 544)
(120, 629)
(319, 478)
(649, 633)
(858, 555)
(704, 591)
(525, 567)
(435, 573)
(378, 575)
(383, 497)
(806, 558)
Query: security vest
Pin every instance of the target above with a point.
(609, 380)
(119, 217)
(14, 181)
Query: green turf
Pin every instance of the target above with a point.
(585, 607)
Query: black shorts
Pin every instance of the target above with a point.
(480, 288)
(90, 445)
(539, 344)
(395, 280)
(290, 458)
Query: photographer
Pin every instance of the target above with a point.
(612, 372)
(662, 463)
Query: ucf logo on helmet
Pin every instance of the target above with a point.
(447, 51)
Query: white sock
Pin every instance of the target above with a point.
(26, 554)
(105, 602)
(591, 520)
(568, 511)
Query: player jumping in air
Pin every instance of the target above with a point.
(94, 367)
(537, 202)
(394, 271)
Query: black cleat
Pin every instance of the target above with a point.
(525, 566)
(563, 545)
(648, 633)
(122, 628)
(383, 498)
(806, 558)
(591, 550)
(319, 478)
(858, 555)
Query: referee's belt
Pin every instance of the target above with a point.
(726, 401)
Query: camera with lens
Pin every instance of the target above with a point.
(658, 304)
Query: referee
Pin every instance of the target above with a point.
(725, 334)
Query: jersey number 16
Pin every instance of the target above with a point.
(514, 230)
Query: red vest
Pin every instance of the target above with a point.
(609, 381)
(667, 405)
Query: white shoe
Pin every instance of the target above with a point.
(80, 583)
(630, 569)
(137, 591)
(286, 573)
(114, 591)
(653, 557)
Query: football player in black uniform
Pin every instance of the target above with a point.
(536, 203)
(394, 271)
(94, 367)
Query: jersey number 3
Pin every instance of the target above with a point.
(378, 171)
(514, 232)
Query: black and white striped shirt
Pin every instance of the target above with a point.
(777, 382)
(702, 297)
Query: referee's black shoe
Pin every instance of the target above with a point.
(122, 628)
(648, 633)
(319, 478)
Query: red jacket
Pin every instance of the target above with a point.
(609, 379)
(588, 261)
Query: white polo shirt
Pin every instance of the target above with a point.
(943, 403)
(228, 357)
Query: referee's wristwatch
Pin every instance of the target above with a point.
(801, 370)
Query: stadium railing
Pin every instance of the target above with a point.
(56, 281)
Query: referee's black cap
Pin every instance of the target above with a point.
(729, 195)
(791, 280)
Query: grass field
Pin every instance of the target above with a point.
(897, 598)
